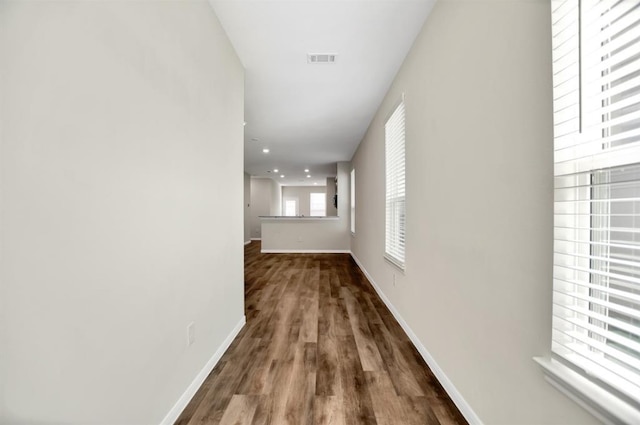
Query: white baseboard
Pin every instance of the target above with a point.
(305, 251)
(248, 242)
(446, 383)
(191, 390)
(256, 239)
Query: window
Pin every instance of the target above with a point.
(596, 272)
(318, 204)
(395, 187)
(353, 201)
(290, 207)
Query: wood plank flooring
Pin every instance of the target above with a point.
(319, 347)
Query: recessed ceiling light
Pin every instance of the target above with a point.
(265, 150)
(275, 170)
(306, 170)
(308, 176)
(281, 176)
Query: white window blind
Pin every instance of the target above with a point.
(290, 207)
(596, 273)
(317, 204)
(395, 187)
(353, 201)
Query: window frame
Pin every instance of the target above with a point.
(352, 188)
(395, 185)
(324, 204)
(593, 145)
(296, 207)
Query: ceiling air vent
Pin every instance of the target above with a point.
(321, 58)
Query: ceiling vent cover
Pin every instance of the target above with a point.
(321, 57)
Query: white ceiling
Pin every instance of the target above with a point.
(312, 116)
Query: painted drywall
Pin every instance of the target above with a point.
(266, 197)
(303, 235)
(247, 207)
(477, 286)
(303, 196)
(118, 119)
(275, 207)
(285, 235)
(260, 204)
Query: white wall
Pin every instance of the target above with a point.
(260, 204)
(247, 207)
(477, 286)
(266, 197)
(117, 119)
(303, 235)
(275, 207)
(303, 196)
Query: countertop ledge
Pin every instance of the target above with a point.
(297, 217)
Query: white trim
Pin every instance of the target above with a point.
(247, 242)
(191, 390)
(590, 396)
(446, 383)
(395, 263)
(256, 239)
(305, 251)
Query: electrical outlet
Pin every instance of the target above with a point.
(191, 333)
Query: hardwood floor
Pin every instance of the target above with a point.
(319, 347)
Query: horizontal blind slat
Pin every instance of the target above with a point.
(596, 254)
(395, 185)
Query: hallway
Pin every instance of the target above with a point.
(319, 347)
